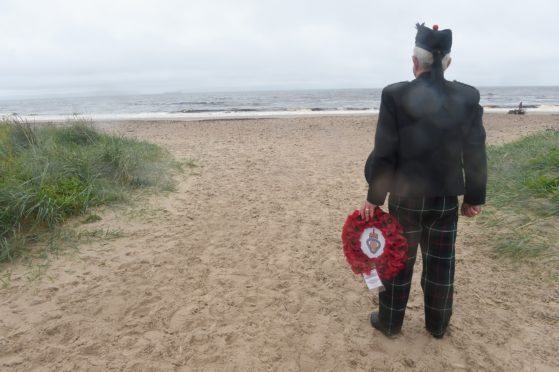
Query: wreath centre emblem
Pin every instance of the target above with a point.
(372, 242)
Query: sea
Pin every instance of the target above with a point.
(252, 103)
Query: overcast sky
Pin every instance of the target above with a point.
(66, 47)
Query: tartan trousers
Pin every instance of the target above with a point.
(430, 223)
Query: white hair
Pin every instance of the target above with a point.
(425, 58)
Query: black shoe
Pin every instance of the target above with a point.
(375, 322)
(437, 335)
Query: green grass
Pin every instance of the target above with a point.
(48, 174)
(522, 213)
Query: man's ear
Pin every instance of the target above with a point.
(415, 62)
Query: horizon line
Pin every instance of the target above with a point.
(94, 94)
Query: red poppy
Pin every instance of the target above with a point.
(395, 250)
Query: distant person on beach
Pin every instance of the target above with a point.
(519, 111)
(429, 149)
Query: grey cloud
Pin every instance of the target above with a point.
(148, 46)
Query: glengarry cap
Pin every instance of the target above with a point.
(433, 39)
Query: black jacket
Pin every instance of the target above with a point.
(429, 141)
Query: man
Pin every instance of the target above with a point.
(429, 148)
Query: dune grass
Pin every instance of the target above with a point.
(522, 213)
(49, 173)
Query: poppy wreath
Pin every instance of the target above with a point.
(395, 252)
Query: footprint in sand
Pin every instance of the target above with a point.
(295, 303)
(182, 318)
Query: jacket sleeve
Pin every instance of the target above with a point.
(475, 161)
(380, 165)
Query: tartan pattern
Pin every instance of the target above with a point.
(430, 223)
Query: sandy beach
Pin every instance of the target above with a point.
(241, 268)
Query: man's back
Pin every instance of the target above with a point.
(423, 133)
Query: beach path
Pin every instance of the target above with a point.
(241, 269)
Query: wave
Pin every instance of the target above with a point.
(187, 114)
(510, 106)
(210, 103)
(201, 111)
(359, 108)
(269, 109)
(235, 112)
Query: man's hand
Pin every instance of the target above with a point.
(367, 210)
(470, 210)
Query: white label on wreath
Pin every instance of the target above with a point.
(372, 242)
(372, 281)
